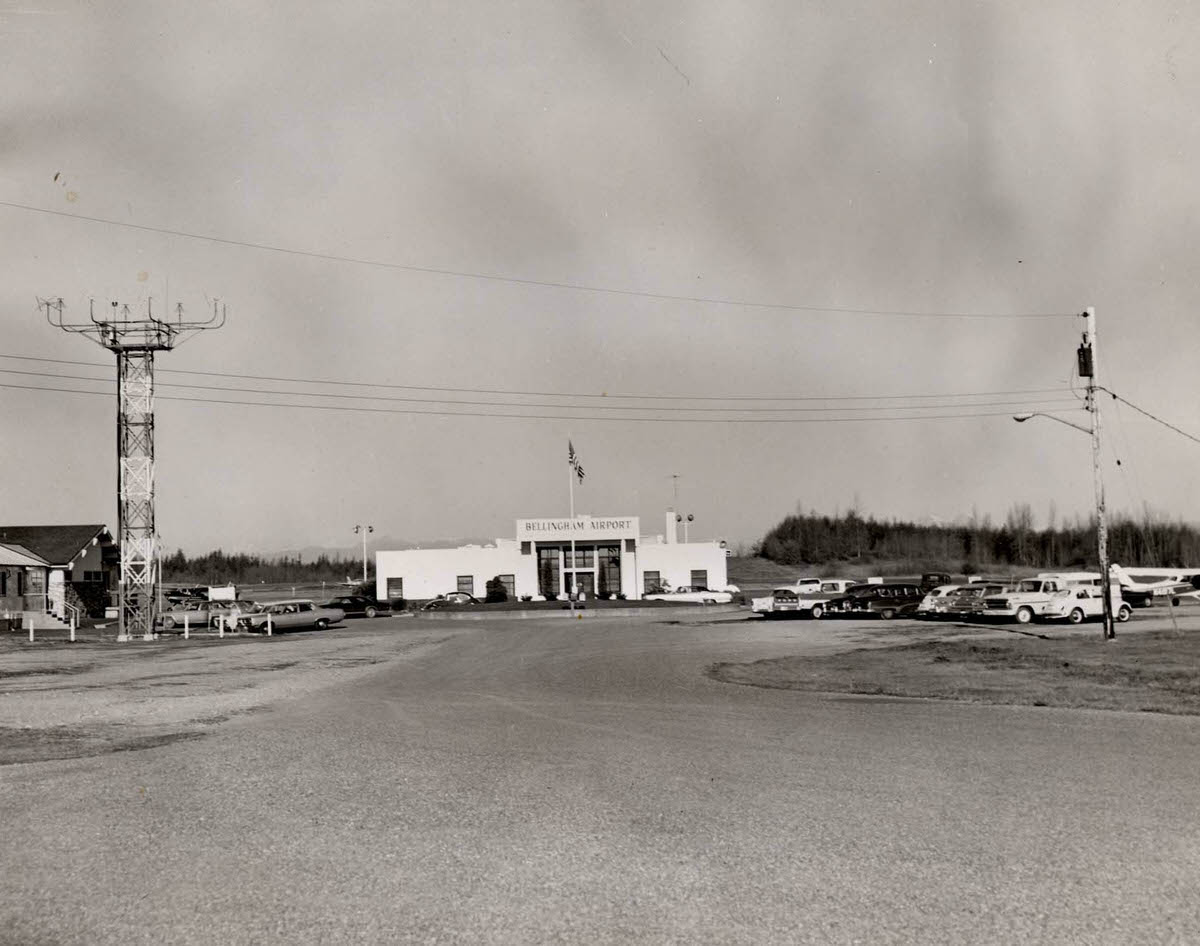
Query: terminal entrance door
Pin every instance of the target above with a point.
(580, 572)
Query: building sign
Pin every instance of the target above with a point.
(581, 528)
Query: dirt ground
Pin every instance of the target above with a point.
(61, 700)
(1152, 666)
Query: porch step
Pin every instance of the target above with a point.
(43, 621)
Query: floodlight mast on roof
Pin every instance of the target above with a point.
(134, 341)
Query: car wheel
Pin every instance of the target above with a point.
(322, 623)
(1124, 614)
(1174, 602)
(1076, 616)
(1024, 615)
(370, 613)
(817, 611)
(169, 623)
(887, 614)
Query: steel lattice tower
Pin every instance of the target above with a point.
(134, 342)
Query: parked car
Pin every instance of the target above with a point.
(358, 606)
(883, 599)
(455, 597)
(971, 600)
(686, 594)
(1055, 595)
(936, 601)
(289, 616)
(809, 601)
(198, 612)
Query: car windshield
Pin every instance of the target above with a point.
(1029, 584)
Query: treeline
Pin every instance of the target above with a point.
(221, 568)
(978, 544)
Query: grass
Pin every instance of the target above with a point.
(1156, 672)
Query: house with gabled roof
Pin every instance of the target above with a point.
(53, 568)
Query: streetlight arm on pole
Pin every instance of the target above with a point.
(1021, 418)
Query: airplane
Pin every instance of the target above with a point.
(1139, 586)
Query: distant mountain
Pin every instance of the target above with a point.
(310, 553)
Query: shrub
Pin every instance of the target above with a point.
(496, 592)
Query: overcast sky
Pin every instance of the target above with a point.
(726, 179)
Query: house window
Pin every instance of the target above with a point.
(395, 588)
(93, 576)
(4, 583)
(466, 583)
(526, 548)
(700, 578)
(651, 582)
(22, 580)
(510, 584)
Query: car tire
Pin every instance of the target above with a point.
(1024, 615)
(887, 614)
(169, 623)
(1124, 613)
(322, 624)
(817, 611)
(370, 613)
(1076, 616)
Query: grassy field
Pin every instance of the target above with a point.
(1155, 671)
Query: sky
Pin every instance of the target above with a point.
(750, 258)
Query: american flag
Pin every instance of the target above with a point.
(574, 460)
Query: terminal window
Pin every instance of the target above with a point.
(510, 584)
(651, 582)
(700, 578)
(466, 583)
(395, 588)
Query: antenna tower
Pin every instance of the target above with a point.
(134, 341)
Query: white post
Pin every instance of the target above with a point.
(185, 625)
(31, 627)
(571, 488)
(269, 629)
(220, 625)
(72, 629)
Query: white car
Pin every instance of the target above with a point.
(692, 595)
(936, 600)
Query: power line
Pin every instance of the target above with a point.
(582, 417)
(545, 284)
(644, 397)
(593, 407)
(1117, 397)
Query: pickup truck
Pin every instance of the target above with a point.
(806, 597)
(1054, 597)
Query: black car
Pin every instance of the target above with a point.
(884, 599)
(358, 606)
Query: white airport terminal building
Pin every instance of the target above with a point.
(602, 556)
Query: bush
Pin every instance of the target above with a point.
(496, 592)
(399, 604)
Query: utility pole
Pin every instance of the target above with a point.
(1087, 369)
(134, 341)
(365, 531)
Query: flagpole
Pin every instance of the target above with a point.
(571, 490)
